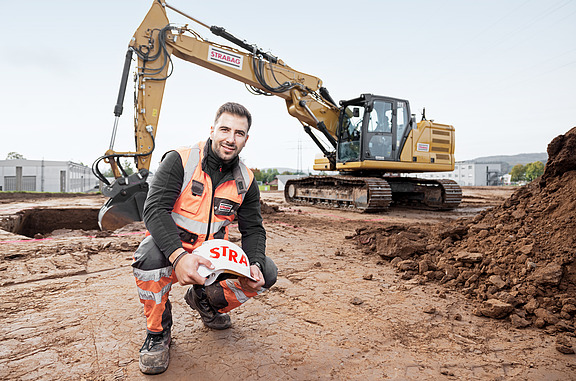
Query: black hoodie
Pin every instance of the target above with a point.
(165, 190)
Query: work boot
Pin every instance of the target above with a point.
(155, 353)
(197, 299)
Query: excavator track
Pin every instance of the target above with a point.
(453, 194)
(441, 194)
(362, 194)
(373, 194)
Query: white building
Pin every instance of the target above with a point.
(470, 174)
(507, 179)
(45, 176)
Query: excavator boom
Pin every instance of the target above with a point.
(154, 44)
(333, 128)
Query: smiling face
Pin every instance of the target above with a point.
(229, 135)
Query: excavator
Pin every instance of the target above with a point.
(371, 141)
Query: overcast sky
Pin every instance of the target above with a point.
(503, 73)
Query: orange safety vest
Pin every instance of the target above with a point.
(200, 208)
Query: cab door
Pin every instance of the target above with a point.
(379, 135)
(385, 129)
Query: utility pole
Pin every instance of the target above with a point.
(299, 159)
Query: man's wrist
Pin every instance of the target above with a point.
(176, 256)
(257, 264)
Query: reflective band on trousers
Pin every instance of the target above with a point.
(155, 275)
(239, 293)
(155, 296)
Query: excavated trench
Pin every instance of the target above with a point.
(38, 221)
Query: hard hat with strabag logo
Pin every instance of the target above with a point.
(226, 256)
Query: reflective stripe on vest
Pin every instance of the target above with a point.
(197, 226)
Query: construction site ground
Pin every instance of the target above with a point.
(69, 308)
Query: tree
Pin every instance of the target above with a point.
(269, 175)
(266, 175)
(14, 156)
(257, 174)
(518, 173)
(534, 170)
(126, 164)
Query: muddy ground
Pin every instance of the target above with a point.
(339, 311)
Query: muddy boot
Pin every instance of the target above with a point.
(155, 353)
(197, 299)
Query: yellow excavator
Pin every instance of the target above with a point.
(372, 141)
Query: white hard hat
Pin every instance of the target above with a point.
(227, 257)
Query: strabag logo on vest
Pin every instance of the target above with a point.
(225, 58)
(223, 207)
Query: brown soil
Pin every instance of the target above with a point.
(484, 292)
(518, 259)
(6, 197)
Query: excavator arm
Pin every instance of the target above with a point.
(377, 138)
(154, 43)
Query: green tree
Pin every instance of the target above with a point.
(14, 156)
(269, 175)
(257, 174)
(126, 164)
(534, 170)
(265, 176)
(518, 173)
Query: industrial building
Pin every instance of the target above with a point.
(470, 174)
(46, 176)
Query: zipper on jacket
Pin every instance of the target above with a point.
(211, 210)
(212, 202)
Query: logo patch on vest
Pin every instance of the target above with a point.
(225, 208)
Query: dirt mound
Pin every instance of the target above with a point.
(562, 156)
(517, 259)
(268, 209)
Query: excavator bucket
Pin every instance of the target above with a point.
(126, 203)
(122, 210)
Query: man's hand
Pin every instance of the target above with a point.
(250, 285)
(187, 269)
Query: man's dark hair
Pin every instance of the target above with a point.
(234, 109)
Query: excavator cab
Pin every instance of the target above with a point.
(373, 128)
